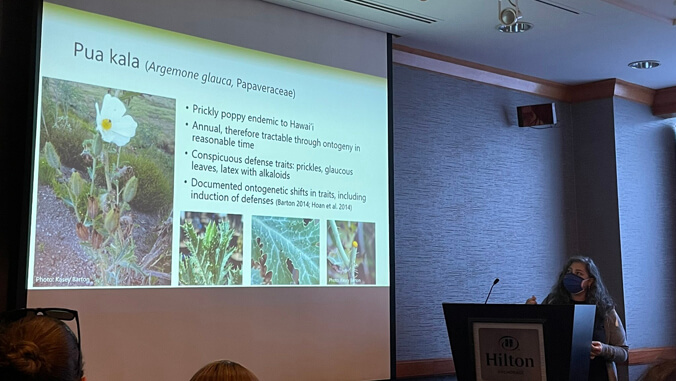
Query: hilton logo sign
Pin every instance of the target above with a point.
(509, 343)
(509, 352)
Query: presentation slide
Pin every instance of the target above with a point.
(164, 160)
(211, 181)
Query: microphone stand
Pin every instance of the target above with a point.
(491, 290)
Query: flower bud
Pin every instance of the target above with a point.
(97, 144)
(130, 188)
(82, 231)
(92, 206)
(76, 184)
(97, 239)
(112, 220)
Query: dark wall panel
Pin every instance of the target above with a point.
(596, 191)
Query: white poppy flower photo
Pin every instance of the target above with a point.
(105, 187)
(112, 123)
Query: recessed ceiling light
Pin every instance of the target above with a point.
(645, 64)
(517, 27)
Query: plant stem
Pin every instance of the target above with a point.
(117, 182)
(353, 261)
(74, 200)
(91, 187)
(338, 243)
(106, 163)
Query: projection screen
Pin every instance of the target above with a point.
(211, 181)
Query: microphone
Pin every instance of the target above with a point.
(491, 290)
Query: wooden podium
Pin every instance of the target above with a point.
(508, 342)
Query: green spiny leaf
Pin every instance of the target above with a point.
(287, 238)
(209, 253)
(192, 241)
(52, 157)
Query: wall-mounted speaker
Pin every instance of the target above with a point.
(536, 115)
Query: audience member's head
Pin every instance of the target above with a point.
(224, 370)
(664, 371)
(39, 347)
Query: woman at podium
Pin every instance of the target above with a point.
(580, 283)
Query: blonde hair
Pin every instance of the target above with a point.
(224, 370)
(39, 348)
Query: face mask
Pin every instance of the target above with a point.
(573, 283)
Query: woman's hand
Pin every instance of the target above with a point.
(532, 300)
(596, 348)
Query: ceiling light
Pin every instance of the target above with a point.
(518, 27)
(509, 16)
(645, 64)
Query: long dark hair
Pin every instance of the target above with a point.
(596, 294)
(39, 348)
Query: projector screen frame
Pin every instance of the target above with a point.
(19, 58)
(390, 134)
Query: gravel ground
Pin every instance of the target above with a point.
(60, 260)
